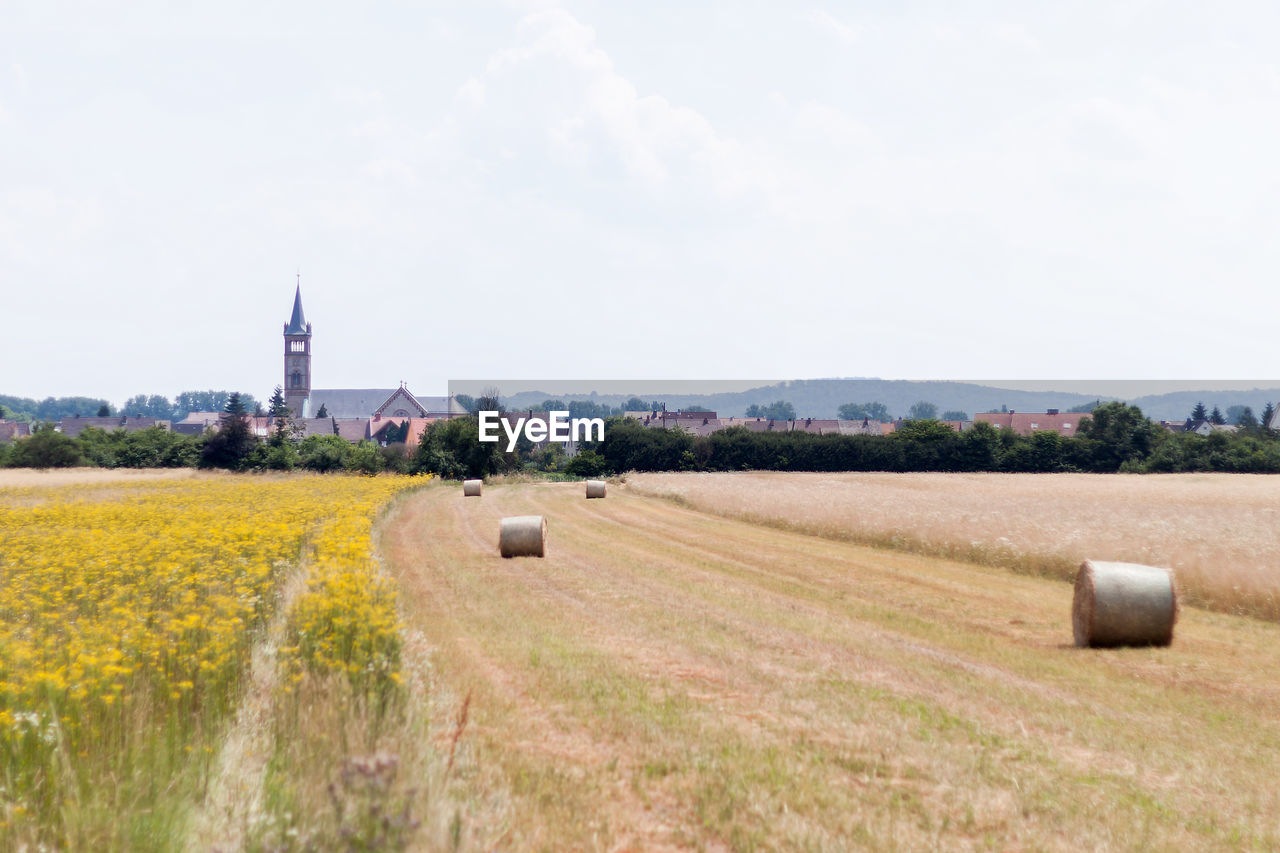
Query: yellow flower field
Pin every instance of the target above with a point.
(127, 615)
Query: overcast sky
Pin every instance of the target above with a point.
(686, 190)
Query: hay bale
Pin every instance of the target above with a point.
(1123, 604)
(595, 488)
(471, 488)
(523, 536)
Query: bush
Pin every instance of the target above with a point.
(324, 453)
(364, 458)
(452, 449)
(587, 463)
(45, 448)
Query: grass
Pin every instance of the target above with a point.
(132, 614)
(1216, 531)
(669, 679)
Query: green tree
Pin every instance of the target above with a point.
(279, 410)
(779, 410)
(1117, 434)
(151, 406)
(1268, 413)
(452, 449)
(587, 463)
(231, 446)
(364, 458)
(45, 448)
(104, 411)
(954, 415)
(1085, 408)
(865, 411)
(1199, 413)
(923, 411)
(1243, 417)
(635, 404)
(324, 453)
(1216, 417)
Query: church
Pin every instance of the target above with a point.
(347, 404)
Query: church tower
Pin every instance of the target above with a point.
(297, 358)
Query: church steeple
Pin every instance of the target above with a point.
(298, 324)
(297, 357)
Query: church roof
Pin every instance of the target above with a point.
(367, 402)
(401, 403)
(298, 324)
(348, 402)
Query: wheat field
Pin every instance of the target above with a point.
(1216, 531)
(668, 679)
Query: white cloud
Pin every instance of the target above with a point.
(358, 96)
(586, 109)
(829, 23)
(395, 171)
(471, 92)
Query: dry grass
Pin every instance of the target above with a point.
(1216, 531)
(89, 476)
(668, 679)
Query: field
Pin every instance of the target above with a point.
(129, 614)
(669, 677)
(1217, 531)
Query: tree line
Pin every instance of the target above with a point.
(1115, 437)
(140, 405)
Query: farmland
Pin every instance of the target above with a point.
(689, 667)
(128, 614)
(1217, 531)
(669, 679)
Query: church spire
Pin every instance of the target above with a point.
(297, 323)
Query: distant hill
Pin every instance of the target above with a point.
(1177, 406)
(821, 398)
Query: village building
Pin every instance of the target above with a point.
(73, 426)
(1205, 427)
(341, 404)
(11, 430)
(1026, 423)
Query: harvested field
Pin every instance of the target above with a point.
(10, 477)
(669, 679)
(1216, 531)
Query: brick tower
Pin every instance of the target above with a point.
(297, 358)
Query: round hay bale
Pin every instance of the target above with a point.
(523, 536)
(471, 488)
(1123, 604)
(595, 488)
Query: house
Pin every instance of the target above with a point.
(866, 426)
(72, 427)
(816, 426)
(1205, 427)
(1025, 423)
(195, 423)
(417, 426)
(12, 430)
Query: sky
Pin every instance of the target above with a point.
(684, 190)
